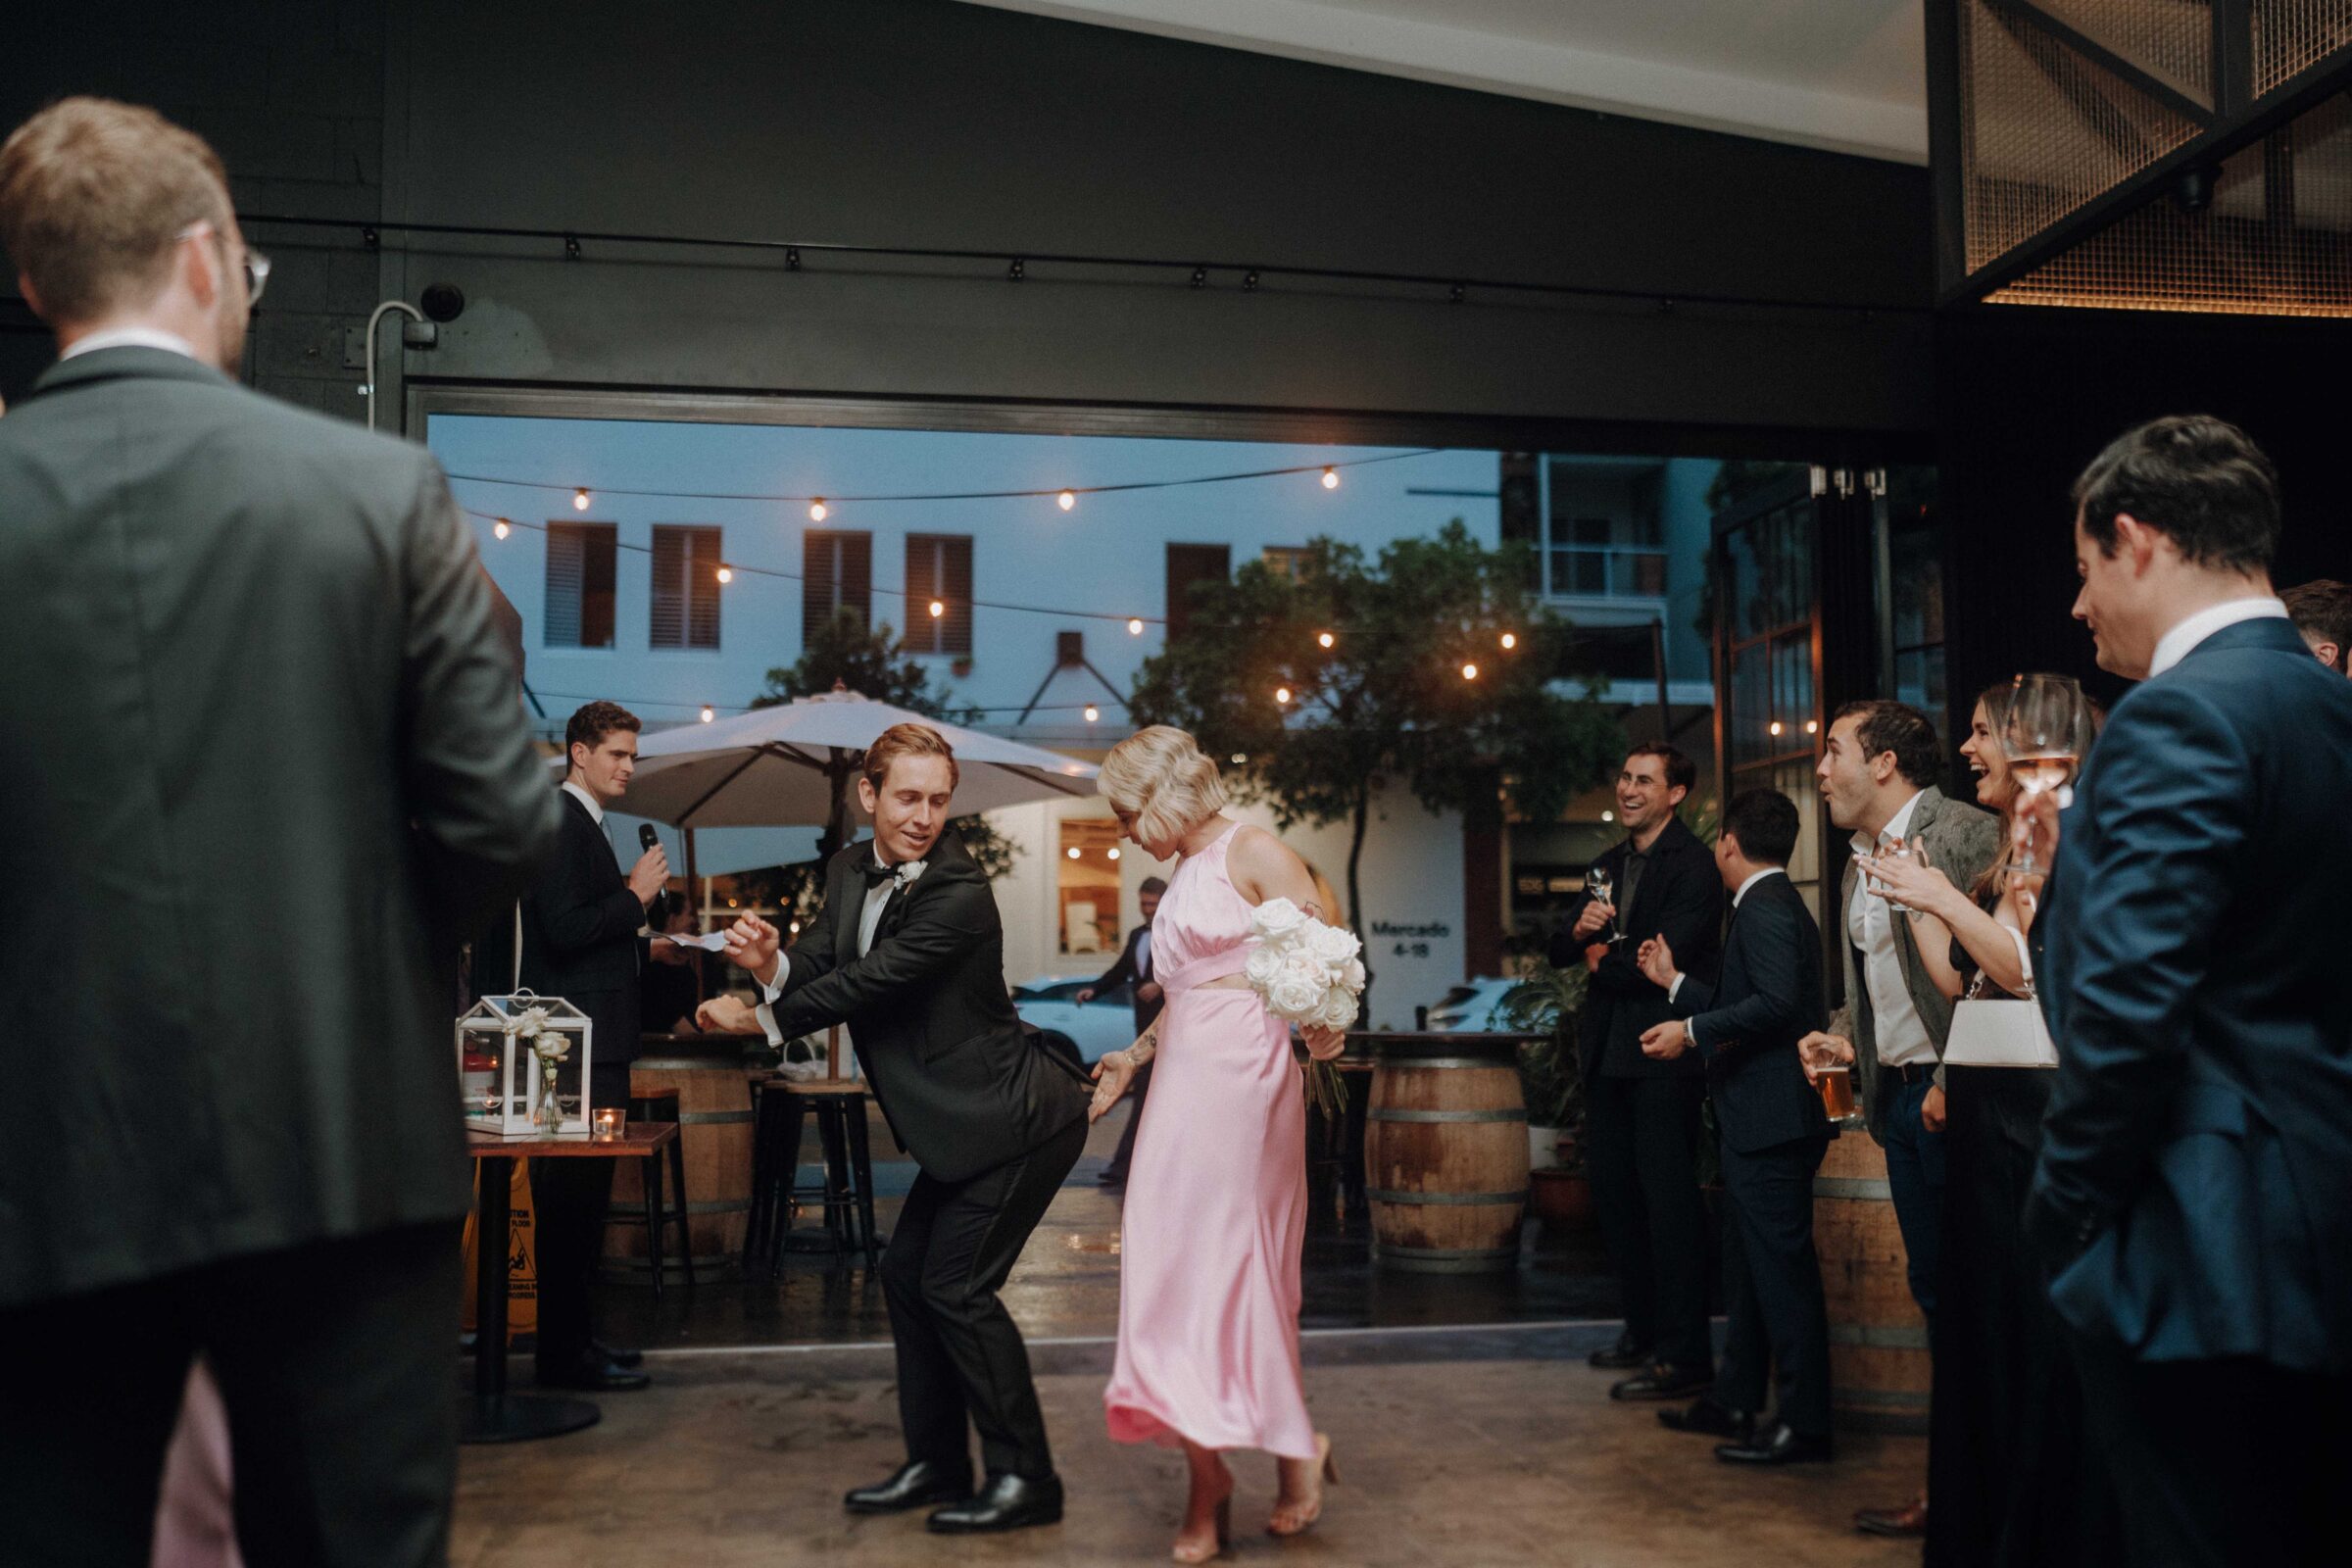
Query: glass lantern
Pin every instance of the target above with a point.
(511, 1084)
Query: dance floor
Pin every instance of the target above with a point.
(1467, 1427)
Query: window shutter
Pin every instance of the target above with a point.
(562, 585)
(922, 586)
(956, 573)
(670, 558)
(1187, 566)
(703, 594)
(837, 573)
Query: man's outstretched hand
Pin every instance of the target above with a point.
(755, 945)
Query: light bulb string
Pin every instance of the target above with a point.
(747, 707)
(1051, 491)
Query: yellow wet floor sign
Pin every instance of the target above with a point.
(523, 1254)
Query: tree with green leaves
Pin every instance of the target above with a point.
(1396, 669)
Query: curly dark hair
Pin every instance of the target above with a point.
(1900, 728)
(2198, 480)
(592, 722)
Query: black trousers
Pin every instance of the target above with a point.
(1642, 1136)
(960, 1358)
(335, 1360)
(1773, 1278)
(1116, 1170)
(2219, 1462)
(569, 1199)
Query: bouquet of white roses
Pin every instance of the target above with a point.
(1309, 974)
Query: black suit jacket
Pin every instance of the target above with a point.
(1747, 1024)
(1125, 973)
(934, 1028)
(1680, 896)
(579, 935)
(2195, 1179)
(266, 763)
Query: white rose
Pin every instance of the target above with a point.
(1263, 964)
(1338, 1010)
(1296, 991)
(1277, 919)
(1353, 975)
(1333, 945)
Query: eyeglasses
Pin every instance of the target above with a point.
(255, 263)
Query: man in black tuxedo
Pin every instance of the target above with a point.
(263, 747)
(579, 942)
(908, 950)
(1772, 1132)
(1643, 1116)
(2194, 1199)
(1134, 968)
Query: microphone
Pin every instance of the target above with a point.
(656, 913)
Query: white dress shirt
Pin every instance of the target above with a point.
(1901, 1033)
(2175, 645)
(596, 808)
(1675, 990)
(1143, 957)
(130, 337)
(869, 920)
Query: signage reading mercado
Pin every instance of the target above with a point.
(1412, 941)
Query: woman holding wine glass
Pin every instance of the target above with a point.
(2007, 1466)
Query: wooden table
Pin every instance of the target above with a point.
(490, 1414)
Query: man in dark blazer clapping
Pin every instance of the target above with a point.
(580, 924)
(908, 950)
(1134, 968)
(1643, 1116)
(2194, 1200)
(267, 764)
(1772, 1132)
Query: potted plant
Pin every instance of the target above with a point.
(1549, 1005)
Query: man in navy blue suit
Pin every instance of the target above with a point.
(2194, 1200)
(1772, 1131)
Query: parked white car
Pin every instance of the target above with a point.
(1104, 1024)
(1470, 1008)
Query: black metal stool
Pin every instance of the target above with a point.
(660, 1104)
(846, 1189)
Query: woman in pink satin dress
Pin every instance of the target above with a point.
(1216, 1190)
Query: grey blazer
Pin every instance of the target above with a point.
(1962, 840)
(264, 762)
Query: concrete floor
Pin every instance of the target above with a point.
(1465, 1423)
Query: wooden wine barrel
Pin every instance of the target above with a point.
(1878, 1339)
(1446, 1153)
(714, 1129)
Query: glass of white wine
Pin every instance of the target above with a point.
(1603, 890)
(2047, 732)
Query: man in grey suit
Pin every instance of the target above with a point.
(1878, 772)
(260, 734)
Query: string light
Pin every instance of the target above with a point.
(1115, 852)
(1282, 694)
(1511, 640)
(580, 500)
(1608, 816)
(795, 928)
(503, 530)
(1776, 727)
(1135, 625)
(1092, 713)
(708, 713)
(1238, 759)
(726, 574)
(1812, 726)
(1469, 672)
(1330, 478)
(1073, 852)
(816, 510)
(1066, 500)
(1325, 638)
(937, 609)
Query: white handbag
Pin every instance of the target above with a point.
(2001, 1033)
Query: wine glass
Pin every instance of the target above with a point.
(1603, 890)
(2047, 732)
(1913, 850)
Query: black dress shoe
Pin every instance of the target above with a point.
(1623, 1356)
(632, 1359)
(590, 1373)
(1111, 1178)
(1712, 1419)
(1006, 1503)
(1777, 1443)
(1663, 1382)
(919, 1483)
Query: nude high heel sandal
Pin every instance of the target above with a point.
(1189, 1552)
(1299, 1517)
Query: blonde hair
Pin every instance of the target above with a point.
(1161, 778)
(908, 740)
(94, 196)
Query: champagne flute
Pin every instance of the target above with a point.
(1603, 890)
(2044, 736)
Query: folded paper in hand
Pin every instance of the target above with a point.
(708, 942)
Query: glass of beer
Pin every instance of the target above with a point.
(1836, 1086)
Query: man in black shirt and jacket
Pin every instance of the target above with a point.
(1135, 968)
(1643, 1116)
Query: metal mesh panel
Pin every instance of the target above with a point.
(2045, 130)
(2171, 40)
(2277, 239)
(2291, 35)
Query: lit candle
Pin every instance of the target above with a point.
(609, 1123)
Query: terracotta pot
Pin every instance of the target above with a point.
(1560, 1196)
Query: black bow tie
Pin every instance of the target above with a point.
(874, 871)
